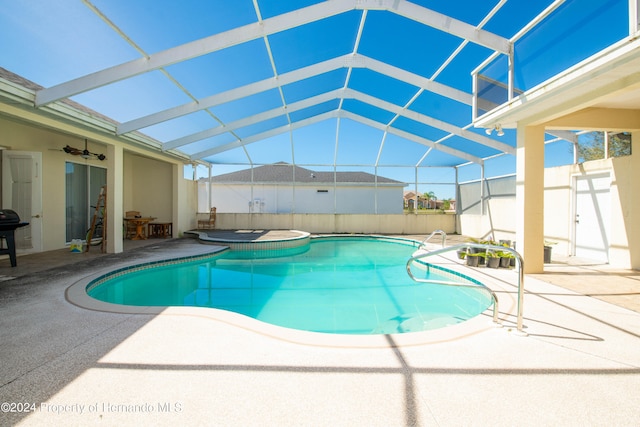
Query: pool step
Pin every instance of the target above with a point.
(415, 322)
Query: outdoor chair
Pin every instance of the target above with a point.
(208, 223)
(130, 226)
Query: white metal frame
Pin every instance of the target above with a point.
(264, 28)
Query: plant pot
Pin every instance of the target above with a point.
(462, 254)
(472, 261)
(512, 262)
(493, 262)
(505, 262)
(480, 252)
(547, 254)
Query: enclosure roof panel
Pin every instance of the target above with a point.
(203, 78)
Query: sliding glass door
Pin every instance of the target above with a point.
(83, 183)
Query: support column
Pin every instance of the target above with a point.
(530, 197)
(184, 201)
(631, 206)
(115, 187)
(210, 185)
(482, 185)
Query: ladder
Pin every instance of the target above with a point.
(102, 202)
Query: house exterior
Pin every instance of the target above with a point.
(284, 188)
(410, 199)
(64, 184)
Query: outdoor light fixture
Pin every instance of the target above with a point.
(498, 129)
(85, 154)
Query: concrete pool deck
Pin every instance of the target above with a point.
(579, 364)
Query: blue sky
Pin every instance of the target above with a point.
(53, 42)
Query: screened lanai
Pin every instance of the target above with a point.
(388, 87)
(441, 97)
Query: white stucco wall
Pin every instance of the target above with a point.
(278, 199)
(623, 227)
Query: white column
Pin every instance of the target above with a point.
(115, 191)
(482, 184)
(184, 206)
(210, 193)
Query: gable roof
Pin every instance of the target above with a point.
(285, 173)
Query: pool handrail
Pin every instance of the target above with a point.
(433, 233)
(519, 266)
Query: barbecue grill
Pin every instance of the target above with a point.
(9, 222)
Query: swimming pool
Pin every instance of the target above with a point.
(333, 285)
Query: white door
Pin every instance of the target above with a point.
(22, 192)
(593, 204)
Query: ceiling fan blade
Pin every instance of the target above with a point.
(70, 150)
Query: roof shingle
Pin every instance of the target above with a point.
(287, 173)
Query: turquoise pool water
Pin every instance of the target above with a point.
(337, 285)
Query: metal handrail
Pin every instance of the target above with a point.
(494, 297)
(520, 267)
(433, 233)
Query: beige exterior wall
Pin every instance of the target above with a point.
(559, 210)
(22, 137)
(151, 193)
(623, 228)
(152, 182)
(625, 210)
(340, 223)
(186, 196)
(558, 205)
(499, 223)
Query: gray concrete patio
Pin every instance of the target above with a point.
(579, 364)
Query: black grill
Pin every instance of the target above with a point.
(9, 221)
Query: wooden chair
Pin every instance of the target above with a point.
(130, 226)
(208, 223)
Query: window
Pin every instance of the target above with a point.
(620, 144)
(591, 145)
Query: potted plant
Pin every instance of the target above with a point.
(472, 259)
(505, 258)
(493, 260)
(548, 245)
(480, 253)
(482, 256)
(462, 253)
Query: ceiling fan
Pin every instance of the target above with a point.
(85, 154)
